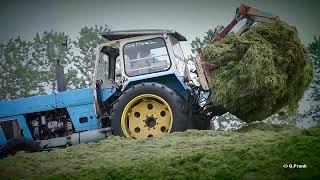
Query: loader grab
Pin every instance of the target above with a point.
(250, 15)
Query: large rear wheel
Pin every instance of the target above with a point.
(148, 110)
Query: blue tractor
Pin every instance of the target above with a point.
(141, 88)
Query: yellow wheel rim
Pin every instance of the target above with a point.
(146, 115)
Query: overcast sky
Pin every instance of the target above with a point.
(190, 18)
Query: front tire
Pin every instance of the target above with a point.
(148, 110)
(19, 144)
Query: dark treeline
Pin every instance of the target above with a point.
(28, 67)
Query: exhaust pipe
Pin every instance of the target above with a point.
(60, 69)
(60, 77)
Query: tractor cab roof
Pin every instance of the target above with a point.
(116, 35)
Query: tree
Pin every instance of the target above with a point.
(199, 43)
(314, 51)
(28, 67)
(47, 51)
(86, 44)
(19, 77)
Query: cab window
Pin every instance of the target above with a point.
(178, 54)
(118, 71)
(148, 56)
(103, 67)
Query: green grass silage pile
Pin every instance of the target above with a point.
(257, 152)
(265, 69)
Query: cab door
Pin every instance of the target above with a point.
(104, 84)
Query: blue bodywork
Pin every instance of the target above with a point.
(79, 103)
(169, 78)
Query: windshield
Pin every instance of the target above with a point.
(145, 57)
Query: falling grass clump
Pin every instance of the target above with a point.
(262, 71)
(249, 154)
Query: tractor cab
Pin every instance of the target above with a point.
(138, 54)
(148, 73)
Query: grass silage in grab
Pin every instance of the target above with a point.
(264, 70)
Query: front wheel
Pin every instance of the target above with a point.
(19, 144)
(148, 110)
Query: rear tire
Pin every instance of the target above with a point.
(132, 108)
(15, 145)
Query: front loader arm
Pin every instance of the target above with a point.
(251, 15)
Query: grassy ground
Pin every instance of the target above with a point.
(254, 152)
